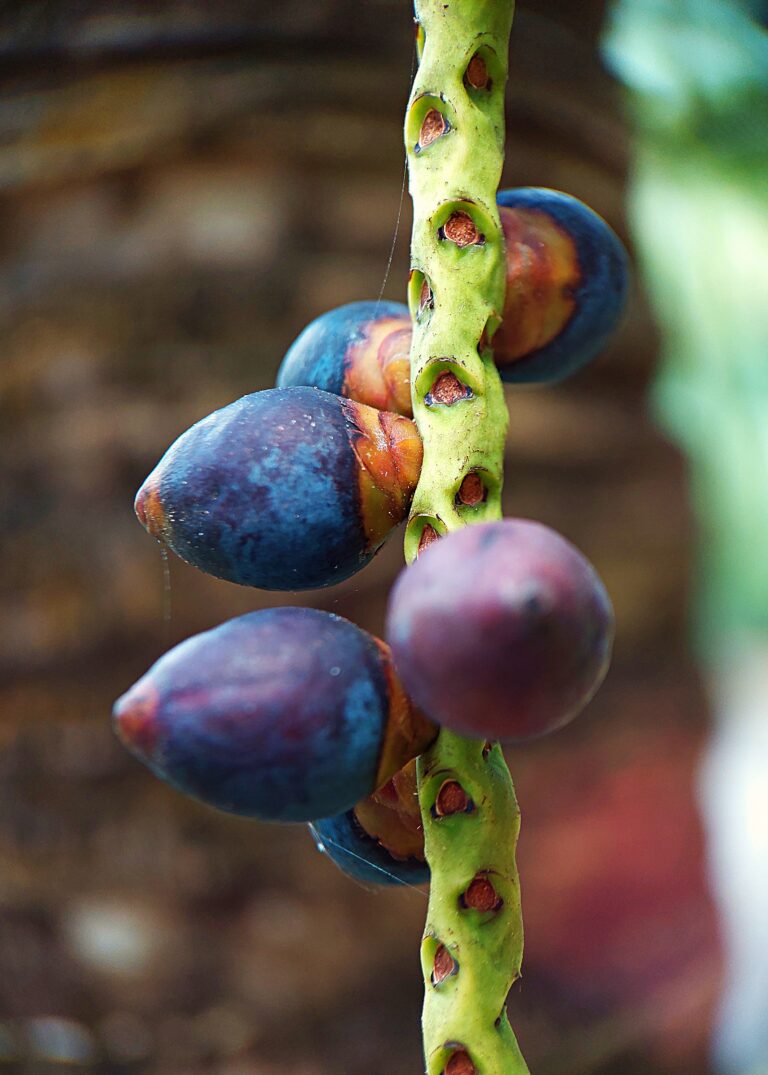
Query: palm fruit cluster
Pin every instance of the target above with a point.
(500, 631)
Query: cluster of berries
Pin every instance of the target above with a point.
(499, 631)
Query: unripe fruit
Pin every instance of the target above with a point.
(381, 840)
(286, 489)
(501, 630)
(566, 288)
(567, 282)
(286, 714)
(360, 351)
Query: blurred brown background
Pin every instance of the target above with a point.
(182, 187)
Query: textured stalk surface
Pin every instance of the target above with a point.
(472, 946)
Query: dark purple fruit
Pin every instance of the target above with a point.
(286, 714)
(567, 281)
(381, 840)
(501, 630)
(288, 489)
(361, 351)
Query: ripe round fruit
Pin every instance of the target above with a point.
(362, 858)
(288, 489)
(380, 840)
(567, 280)
(501, 630)
(360, 351)
(286, 714)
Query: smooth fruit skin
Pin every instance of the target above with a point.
(381, 840)
(360, 351)
(567, 279)
(361, 857)
(501, 630)
(286, 489)
(285, 714)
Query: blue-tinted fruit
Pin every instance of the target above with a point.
(567, 282)
(566, 289)
(285, 714)
(500, 630)
(360, 351)
(287, 489)
(381, 840)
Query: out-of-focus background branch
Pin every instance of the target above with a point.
(182, 187)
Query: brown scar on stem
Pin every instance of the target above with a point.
(460, 1064)
(428, 535)
(472, 490)
(452, 799)
(477, 73)
(425, 298)
(433, 126)
(443, 965)
(480, 895)
(461, 229)
(448, 389)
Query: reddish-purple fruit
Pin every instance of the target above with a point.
(287, 714)
(501, 630)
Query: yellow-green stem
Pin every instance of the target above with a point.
(456, 295)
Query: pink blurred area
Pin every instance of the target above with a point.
(182, 188)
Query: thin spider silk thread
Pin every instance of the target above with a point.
(399, 208)
(321, 841)
(397, 231)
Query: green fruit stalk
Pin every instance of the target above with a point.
(454, 131)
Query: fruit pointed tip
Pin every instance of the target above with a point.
(134, 717)
(139, 506)
(149, 510)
